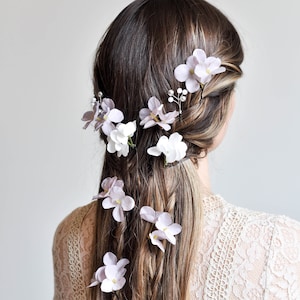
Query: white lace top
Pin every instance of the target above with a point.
(242, 255)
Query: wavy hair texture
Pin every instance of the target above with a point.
(135, 60)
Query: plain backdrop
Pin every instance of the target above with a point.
(49, 165)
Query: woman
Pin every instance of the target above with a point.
(164, 78)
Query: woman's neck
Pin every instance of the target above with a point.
(203, 172)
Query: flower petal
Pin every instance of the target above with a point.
(192, 85)
(148, 214)
(119, 284)
(182, 72)
(108, 127)
(109, 259)
(107, 286)
(154, 104)
(154, 151)
(164, 220)
(116, 116)
(116, 193)
(200, 55)
(107, 203)
(118, 214)
(100, 274)
(156, 237)
(107, 104)
(93, 283)
(144, 112)
(122, 262)
(174, 228)
(127, 203)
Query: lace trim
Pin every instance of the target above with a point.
(73, 244)
(216, 286)
(212, 203)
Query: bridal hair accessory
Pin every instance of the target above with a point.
(166, 229)
(196, 73)
(198, 70)
(181, 97)
(105, 116)
(115, 198)
(111, 275)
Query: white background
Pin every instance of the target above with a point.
(49, 165)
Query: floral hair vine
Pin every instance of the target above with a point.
(195, 73)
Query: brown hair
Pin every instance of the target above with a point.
(134, 61)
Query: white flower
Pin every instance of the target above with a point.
(207, 67)
(186, 73)
(114, 280)
(111, 275)
(108, 115)
(154, 115)
(156, 237)
(198, 70)
(173, 148)
(119, 139)
(165, 225)
(119, 201)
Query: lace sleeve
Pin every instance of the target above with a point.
(72, 247)
(282, 276)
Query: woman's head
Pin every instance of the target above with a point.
(136, 60)
(142, 47)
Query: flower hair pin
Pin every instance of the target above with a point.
(172, 147)
(181, 97)
(114, 197)
(103, 115)
(154, 115)
(198, 70)
(166, 229)
(111, 275)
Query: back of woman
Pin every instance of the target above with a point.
(164, 78)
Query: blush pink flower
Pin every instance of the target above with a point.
(166, 229)
(119, 201)
(107, 184)
(153, 115)
(103, 117)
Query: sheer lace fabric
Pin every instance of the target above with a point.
(242, 254)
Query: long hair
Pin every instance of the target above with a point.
(134, 61)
